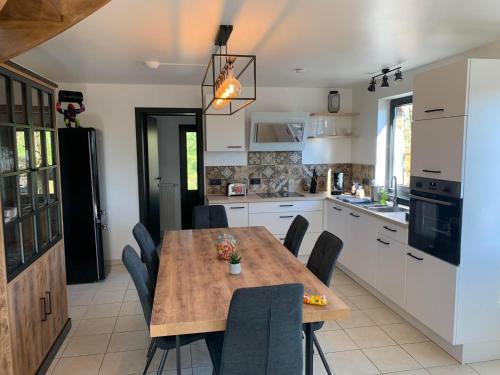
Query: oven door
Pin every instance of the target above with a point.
(435, 226)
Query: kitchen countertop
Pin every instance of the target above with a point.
(393, 217)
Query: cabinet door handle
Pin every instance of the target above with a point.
(286, 217)
(44, 309)
(390, 229)
(431, 171)
(382, 241)
(282, 238)
(434, 110)
(49, 298)
(414, 257)
(336, 208)
(234, 146)
(286, 205)
(237, 208)
(353, 215)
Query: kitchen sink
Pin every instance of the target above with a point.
(387, 209)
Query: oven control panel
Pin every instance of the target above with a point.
(452, 189)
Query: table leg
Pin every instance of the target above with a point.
(309, 349)
(178, 353)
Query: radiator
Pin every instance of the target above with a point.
(169, 196)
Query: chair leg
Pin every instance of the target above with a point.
(150, 349)
(322, 356)
(151, 354)
(162, 362)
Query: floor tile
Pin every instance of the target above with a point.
(106, 310)
(124, 363)
(351, 290)
(356, 319)
(369, 337)
(429, 354)
(77, 312)
(199, 355)
(404, 333)
(340, 278)
(383, 315)
(95, 326)
(52, 366)
(130, 323)
(108, 296)
(85, 345)
(352, 362)
(421, 371)
(391, 359)
(330, 325)
(82, 365)
(452, 370)
(335, 341)
(130, 308)
(126, 341)
(487, 368)
(131, 296)
(77, 288)
(365, 302)
(202, 370)
(171, 363)
(81, 298)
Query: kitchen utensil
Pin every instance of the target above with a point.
(236, 189)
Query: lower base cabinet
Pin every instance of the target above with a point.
(390, 269)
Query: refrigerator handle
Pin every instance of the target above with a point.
(97, 219)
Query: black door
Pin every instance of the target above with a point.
(190, 172)
(153, 222)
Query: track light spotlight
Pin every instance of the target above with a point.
(385, 81)
(398, 76)
(371, 88)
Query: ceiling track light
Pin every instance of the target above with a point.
(398, 77)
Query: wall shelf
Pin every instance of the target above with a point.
(330, 136)
(338, 114)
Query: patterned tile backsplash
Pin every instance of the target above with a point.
(283, 170)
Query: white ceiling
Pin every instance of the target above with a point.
(338, 42)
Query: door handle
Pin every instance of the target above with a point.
(353, 215)
(286, 217)
(414, 257)
(434, 110)
(49, 298)
(234, 146)
(286, 205)
(44, 309)
(382, 241)
(390, 229)
(431, 171)
(237, 208)
(336, 208)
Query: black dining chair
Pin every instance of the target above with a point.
(144, 286)
(295, 234)
(209, 216)
(321, 263)
(149, 252)
(263, 333)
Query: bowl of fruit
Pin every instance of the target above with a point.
(226, 245)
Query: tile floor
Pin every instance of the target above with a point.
(109, 337)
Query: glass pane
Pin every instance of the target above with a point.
(36, 108)
(23, 155)
(25, 194)
(43, 228)
(402, 143)
(9, 198)
(38, 149)
(28, 231)
(55, 230)
(7, 156)
(47, 110)
(19, 102)
(191, 160)
(12, 247)
(52, 185)
(4, 108)
(49, 148)
(41, 192)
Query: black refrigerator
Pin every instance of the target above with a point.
(81, 208)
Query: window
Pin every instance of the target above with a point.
(192, 161)
(399, 143)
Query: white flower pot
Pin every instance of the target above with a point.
(235, 269)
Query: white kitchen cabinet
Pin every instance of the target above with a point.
(237, 214)
(390, 268)
(279, 222)
(286, 206)
(431, 287)
(338, 223)
(308, 242)
(225, 133)
(393, 231)
(437, 148)
(441, 92)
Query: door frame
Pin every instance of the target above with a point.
(141, 114)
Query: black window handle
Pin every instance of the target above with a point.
(286, 217)
(434, 110)
(382, 241)
(336, 208)
(430, 171)
(354, 215)
(237, 208)
(49, 298)
(234, 146)
(390, 229)
(44, 308)
(286, 205)
(414, 257)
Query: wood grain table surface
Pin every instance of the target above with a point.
(194, 288)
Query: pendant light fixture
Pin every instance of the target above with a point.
(398, 77)
(229, 83)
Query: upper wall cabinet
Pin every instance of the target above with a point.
(225, 133)
(441, 92)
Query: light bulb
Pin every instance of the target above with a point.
(230, 88)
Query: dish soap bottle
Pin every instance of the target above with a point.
(314, 182)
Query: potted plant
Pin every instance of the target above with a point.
(234, 263)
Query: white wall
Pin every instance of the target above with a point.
(367, 125)
(111, 110)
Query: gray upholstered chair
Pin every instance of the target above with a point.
(145, 290)
(149, 253)
(205, 217)
(263, 333)
(295, 234)
(322, 263)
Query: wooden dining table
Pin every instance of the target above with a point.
(194, 288)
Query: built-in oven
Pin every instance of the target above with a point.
(435, 217)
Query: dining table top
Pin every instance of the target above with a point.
(194, 287)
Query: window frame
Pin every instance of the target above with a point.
(403, 191)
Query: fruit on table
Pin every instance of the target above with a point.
(226, 245)
(315, 300)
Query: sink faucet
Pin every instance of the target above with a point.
(394, 185)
